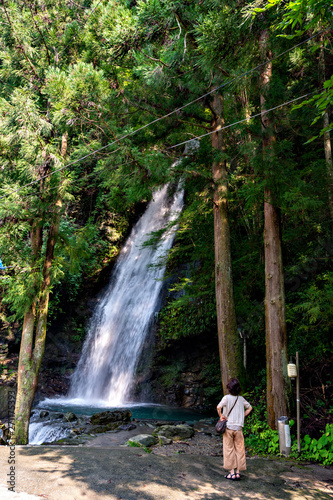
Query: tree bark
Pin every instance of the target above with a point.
(228, 338)
(327, 136)
(329, 164)
(278, 383)
(34, 326)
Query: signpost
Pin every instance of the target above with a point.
(293, 373)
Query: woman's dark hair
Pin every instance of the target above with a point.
(234, 387)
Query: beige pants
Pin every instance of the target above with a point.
(233, 450)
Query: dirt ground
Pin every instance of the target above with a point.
(119, 473)
(103, 468)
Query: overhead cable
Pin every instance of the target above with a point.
(160, 118)
(84, 24)
(242, 121)
(171, 147)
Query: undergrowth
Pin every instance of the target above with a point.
(261, 440)
(133, 444)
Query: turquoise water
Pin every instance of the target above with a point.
(138, 410)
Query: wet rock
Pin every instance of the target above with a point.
(70, 416)
(164, 440)
(159, 423)
(127, 427)
(43, 414)
(175, 431)
(143, 440)
(208, 421)
(107, 417)
(6, 431)
(98, 429)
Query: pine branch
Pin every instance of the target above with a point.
(42, 37)
(153, 58)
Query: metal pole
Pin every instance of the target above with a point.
(298, 406)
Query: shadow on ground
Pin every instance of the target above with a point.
(63, 473)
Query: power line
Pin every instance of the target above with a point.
(63, 167)
(243, 120)
(162, 117)
(82, 28)
(171, 147)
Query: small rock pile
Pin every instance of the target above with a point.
(163, 435)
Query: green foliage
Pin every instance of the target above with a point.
(133, 444)
(320, 450)
(260, 439)
(178, 320)
(171, 373)
(132, 63)
(212, 381)
(264, 442)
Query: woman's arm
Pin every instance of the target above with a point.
(247, 411)
(219, 411)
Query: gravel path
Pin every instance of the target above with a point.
(204, 442)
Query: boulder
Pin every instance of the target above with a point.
(127, 427)
(43, 414)
(159, 423)
(107, 417)
(99, 429)
(163, 440)
(58, 415)
(70, 416)
(175, 431)
(143, 440)
(207, 421)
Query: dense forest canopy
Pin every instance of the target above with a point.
(97, 102)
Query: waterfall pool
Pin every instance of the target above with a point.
(139, 410)
(47, 423)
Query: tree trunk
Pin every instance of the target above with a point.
(25, 380)
(31, 355)
(327, 135)
(278, 383)
(229, 342)
(329, 164)
(34, 328)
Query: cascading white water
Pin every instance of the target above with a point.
(41, 432)
(121, 321)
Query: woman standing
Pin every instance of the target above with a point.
(233, 440)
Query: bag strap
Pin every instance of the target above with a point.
(233, 406)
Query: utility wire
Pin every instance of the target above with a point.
(243, 120)
(171, 147)
(83, 26)
(162, 117)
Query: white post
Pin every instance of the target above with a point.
(298, 406)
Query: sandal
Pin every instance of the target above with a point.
(237, 476)
(232, 477)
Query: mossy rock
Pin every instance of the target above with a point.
(109, 417)
(143, 440)
(174, 432)
(70, 416)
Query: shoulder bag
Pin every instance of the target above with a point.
(221, 425)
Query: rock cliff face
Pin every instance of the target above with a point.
(185, 374)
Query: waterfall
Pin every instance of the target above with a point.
(41, 432)
(122, 319)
